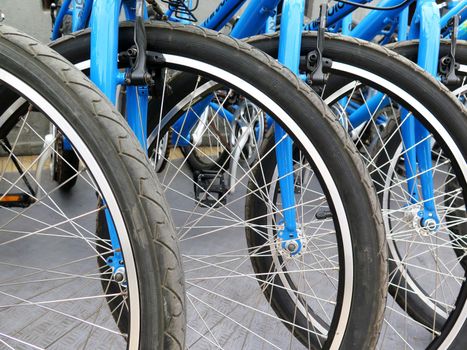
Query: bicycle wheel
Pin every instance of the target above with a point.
(456, 216)
(53, 292)
(423, 312)
(227, 304)
(217, 140)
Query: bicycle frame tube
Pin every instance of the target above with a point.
(347, 24)
(336, 14)
(402, 24)
(375, 21)
(254, 19)
(137, 110)
(290, 41)
(462, 34)
(426, 26)
(452, 12)
(104, 46)
(80, 14)
(59, 19)
(366, 111)
(104, 71)
(185, 124)
(114, 261)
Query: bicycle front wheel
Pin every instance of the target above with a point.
(63, 286)
(376, 93)
(228, 303)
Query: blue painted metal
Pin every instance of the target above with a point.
(427, 13)
(403, 24)
(389, 29)
(410, 157)
(59, 20)
(335, 14)
(115, 260)
(347, 24)
(336, 28)
(462, 33)
(290, 38)
(453, 11)
(271, 24)
(67, 145)
(452, 3)
(222, 112)
(366, 111)
(137, 111)
(374, 22)
(80, 14)
(104, 71)
(129, 9)
(77, 7)
(169, 13)
(184, 125)
(254, 18)
(290, 41)
(104, 45)
(86, 16)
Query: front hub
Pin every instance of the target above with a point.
(290, 244)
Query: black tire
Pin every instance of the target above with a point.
(418, 309)
(284, 88)
(386, 64)
(264, 261)
(135, 188)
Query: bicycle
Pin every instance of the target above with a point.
(239, 72)
(414, 94)
(58, 278)
(415, 302)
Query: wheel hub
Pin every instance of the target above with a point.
(290, 246)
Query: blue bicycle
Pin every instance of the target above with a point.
(413, 204)
(187, 105)
(57, 274)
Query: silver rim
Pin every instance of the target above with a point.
(95, 183)
(399, 329)
(205, 265)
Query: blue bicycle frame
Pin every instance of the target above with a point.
(426, 26)
(104, 21)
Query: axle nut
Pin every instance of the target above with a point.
(292, 246)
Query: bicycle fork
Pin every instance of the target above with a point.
(105, 74)
(416, 138)
(289, 55)
(426, 27)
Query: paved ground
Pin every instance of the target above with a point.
(27, 16)
(53, 330)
